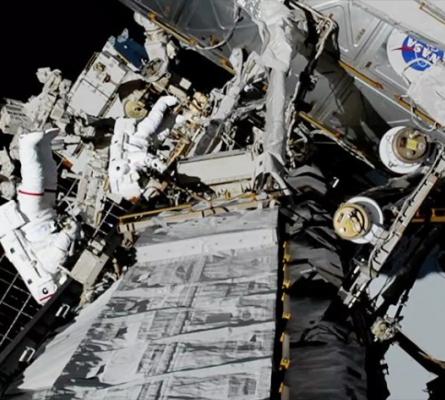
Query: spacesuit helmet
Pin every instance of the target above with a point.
(134, 108)
(132, 95)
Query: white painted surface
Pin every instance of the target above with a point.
(408, 17)
(48, 366)
(208, 245)
(424, 324)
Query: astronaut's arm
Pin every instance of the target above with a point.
(148, 126)
(31, 169)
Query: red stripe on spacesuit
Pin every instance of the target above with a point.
(46, 297)
(30, 193)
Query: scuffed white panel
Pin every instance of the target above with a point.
(428, 92)
(95, 91)
(212, 245)
(47, 367)
(116, 109)
(87, 99)
(219, 168)
(424, 323)
(228, 222)
(106, 73)
(185, 324)
(409, 16)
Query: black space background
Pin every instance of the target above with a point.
(64, 34)
(59, 34)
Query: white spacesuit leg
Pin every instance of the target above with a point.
(32, 189)
(36, 248)
(49, 168)
(31, 192)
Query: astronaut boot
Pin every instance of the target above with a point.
(50, 134)
(35, 137)
(31, 138)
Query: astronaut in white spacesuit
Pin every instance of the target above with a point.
(130, 150)
(29, 232)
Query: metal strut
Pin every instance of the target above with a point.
(365, 271)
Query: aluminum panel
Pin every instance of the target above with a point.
(192, 326)
(205, 22)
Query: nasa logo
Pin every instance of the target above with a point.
(411, 57)
(420, 55)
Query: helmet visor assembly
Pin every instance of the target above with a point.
(133, 96)
(134, 108)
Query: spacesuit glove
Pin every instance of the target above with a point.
(153, 162)
(164, 135)
(72, 228)
(180, 120)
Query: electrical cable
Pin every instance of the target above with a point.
(236, 18)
